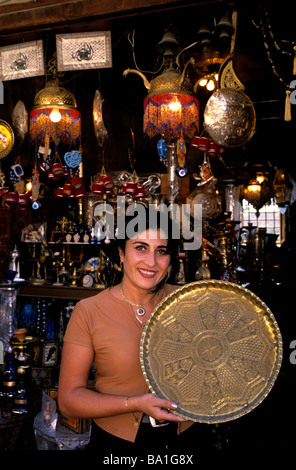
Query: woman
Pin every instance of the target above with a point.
(107, 329)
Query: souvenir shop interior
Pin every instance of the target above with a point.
(180, 104)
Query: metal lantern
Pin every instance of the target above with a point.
(55, 113)
(258, 192)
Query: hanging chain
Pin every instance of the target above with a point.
(283, 41)
(275, 45)
(52, 68)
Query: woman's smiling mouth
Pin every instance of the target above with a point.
(146, 273)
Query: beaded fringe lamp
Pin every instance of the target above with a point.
(55, 113)
(170, 109)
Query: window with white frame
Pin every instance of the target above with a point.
(269, 218)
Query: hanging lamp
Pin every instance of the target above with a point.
(54, 112)
(258, 191)
(170, 109)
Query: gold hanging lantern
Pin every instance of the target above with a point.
(55, 113)
(258, 191)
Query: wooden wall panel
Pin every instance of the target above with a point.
(42, 15)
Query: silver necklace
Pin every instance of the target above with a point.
(140, 310)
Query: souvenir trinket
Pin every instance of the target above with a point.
(72, 158)
(99, 126)
(181, 169)
(162, 149)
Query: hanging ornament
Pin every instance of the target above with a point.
(57, 166)
(44, 154)
(269, 40)
(132, 151)
(206, 176)
(162, 149)
(181, 169)
(2, 178)
(16, 173)
(294, 61)
(20, 120)
(99, 127)
(288, 115)
(35, 188)
(72, 158)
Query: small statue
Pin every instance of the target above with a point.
(42, 262)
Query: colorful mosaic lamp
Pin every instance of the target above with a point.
(55, 114)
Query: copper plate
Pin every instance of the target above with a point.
(214, 348)
(229, 117)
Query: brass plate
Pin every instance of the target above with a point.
(214, 348)
(229, 117)
(210, 201)
(6, 138)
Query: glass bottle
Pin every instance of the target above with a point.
(20, 400)
(172, 182)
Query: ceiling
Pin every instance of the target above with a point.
(273, 139)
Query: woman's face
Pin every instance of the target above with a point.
(146, 259)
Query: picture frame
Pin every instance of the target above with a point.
(77, 51)
(22, 60)
(50, 353)
(12, 2)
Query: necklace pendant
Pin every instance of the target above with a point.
(141, 311)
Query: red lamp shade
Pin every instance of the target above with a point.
(171, 115)
(170, 108)
(65, 125)
(68, 129)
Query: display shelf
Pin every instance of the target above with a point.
(60, 292)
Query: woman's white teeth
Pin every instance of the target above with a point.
(147, 272)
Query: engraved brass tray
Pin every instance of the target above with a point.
(214, 348)
(229, 117)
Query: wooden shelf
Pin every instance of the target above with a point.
(60, 292)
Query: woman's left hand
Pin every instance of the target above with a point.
(158, 408)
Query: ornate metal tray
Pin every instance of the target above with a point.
(229, 117)
(6, 138)
(214, 348)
